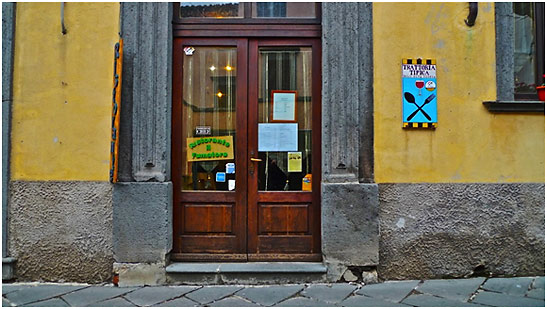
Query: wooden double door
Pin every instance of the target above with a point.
(246, 149)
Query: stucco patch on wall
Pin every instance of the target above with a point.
(452, 230)
(61, 231)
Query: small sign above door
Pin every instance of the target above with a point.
(203, 130)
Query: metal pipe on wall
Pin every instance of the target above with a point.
(63, 29)
(473, 11)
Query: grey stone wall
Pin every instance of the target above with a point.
(349, 205)
(349, 227)
(347, 92)
(61, 231)
(145, 124)
(143, 227)
(505, 57)
(143, 200)
(454, 230)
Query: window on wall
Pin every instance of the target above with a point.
(248, 12)
(283, 9)
(529, 49)
(520, 57)
(270, 9)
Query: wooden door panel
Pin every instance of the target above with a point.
(285, 243)
(283, 219)
(284, 197)
(209, 218)
(208, 197)
(208, 243)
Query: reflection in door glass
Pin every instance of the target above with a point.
(209, 118)
(223, 9)
(286, 71)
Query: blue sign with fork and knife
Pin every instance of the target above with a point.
(419, 93)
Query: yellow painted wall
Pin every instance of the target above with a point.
(63, 91)
(470, 143)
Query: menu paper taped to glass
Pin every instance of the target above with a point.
(277, 137)
(284, 106)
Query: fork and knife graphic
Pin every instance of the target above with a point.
(410, 99)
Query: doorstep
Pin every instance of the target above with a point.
(246, 273)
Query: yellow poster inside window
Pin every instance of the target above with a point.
(210, 148)
(295, 162)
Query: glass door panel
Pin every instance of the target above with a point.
(209, 118)
(286, 71)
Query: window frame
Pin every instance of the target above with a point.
(246, 19)
(507, 100)
(539, 24)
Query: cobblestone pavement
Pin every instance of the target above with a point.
(474, 292)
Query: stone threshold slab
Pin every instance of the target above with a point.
(253, 267)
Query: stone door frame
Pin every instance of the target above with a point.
(142, 200)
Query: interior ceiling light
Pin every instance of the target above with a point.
(219, 94)
(229, 68)
(212, 68)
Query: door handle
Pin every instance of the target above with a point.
(252, 166)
